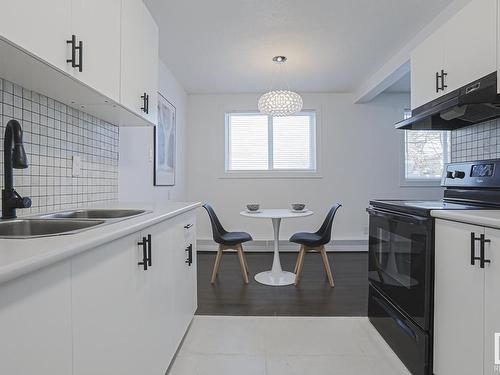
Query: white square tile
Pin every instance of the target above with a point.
(339, 336)
(219, 364)
(223, 335)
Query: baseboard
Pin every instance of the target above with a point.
(267, 245)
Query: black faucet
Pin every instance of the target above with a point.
(14, 156)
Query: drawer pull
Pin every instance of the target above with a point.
(188, 226)
(144, 244)
(150, 250)
(189, 259)
(482, 261)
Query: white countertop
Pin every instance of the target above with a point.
(21, 256)
(486, 218)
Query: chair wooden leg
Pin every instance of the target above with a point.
(242, 265)
(218, 258)
(297, 262)
(300, 266)
(327, 266)
(244, 259)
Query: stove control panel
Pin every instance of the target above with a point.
(472, 174)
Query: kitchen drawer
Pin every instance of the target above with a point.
(408, 341)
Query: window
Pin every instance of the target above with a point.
(426, 152)
(257, 142)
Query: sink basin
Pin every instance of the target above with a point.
(28, 228)
(94, 214)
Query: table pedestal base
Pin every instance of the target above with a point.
(275, 279)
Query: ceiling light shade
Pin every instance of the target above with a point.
(280, 103)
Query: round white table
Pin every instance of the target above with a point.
(276, 277)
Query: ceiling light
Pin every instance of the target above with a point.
(280, 102)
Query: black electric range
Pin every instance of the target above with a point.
(401, 258)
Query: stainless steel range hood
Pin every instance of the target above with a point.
(471, 104)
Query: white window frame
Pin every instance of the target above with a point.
(274, 173)
(413, 182)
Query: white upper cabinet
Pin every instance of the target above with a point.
(139, 60)
(96, 24)
(462, 50)
(470, 44)
(151, 71)
(102, 55)
(426, 62)
(39, 27)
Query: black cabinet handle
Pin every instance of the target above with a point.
(150, 247)
(144, 262)
(482, 240)
(187, 226)
(72, 41)
(189, 250)
(145, 103)
(441, 77)
(473, 240)
(80, 56)
(75, 48)
(482, 261)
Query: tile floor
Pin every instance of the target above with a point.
(284, 345)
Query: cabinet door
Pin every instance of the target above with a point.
(426, 61)
(109, 310)
(97, 24)
(492, 302)
(139, 58)
(132, 83)
(185, 295)
(160, 309)
(35, 321)
(470, 48)
(40, 27)
(150, 70)
(458, 301)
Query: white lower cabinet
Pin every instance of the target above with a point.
(492, 303)
(128, 319)
(109, 294)
(466, 302)
(184, 273)
(101, 312)
(35, 323)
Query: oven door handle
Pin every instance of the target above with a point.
(401, 323)
(411, 219)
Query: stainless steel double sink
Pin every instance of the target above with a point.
(63, 223)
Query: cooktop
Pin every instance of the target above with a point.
(420, 207)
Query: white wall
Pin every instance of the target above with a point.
(360, 158)
(136, 147)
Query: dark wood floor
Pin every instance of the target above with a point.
(230, 296)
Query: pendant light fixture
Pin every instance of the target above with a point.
(280, 102)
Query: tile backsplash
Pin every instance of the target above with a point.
(53, 134)
(477, 142)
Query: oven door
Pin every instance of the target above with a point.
(400, 261)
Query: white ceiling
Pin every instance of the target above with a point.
(226, 46)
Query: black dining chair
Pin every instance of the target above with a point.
(227, 241)
(315, 242)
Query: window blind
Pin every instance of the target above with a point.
(256, 142)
